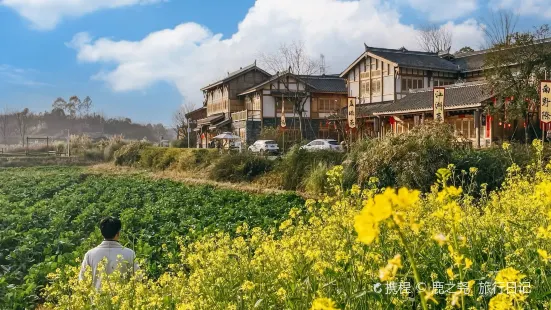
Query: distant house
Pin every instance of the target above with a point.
(321, 96)
(193, 117)
(221, 100)
(393, 89)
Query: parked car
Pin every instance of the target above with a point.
(264, 146)
(323, 144)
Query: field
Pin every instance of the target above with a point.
(452, 247)
(48, 219)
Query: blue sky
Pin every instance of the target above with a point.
(143, 58)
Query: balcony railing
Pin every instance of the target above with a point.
(239, 116)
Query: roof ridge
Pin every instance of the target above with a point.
(400, 50)
(451, 86)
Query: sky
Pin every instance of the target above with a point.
(143, 59)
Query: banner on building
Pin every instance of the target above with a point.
(352, 112)
(438, 104)
(545, 106)
(283, 119)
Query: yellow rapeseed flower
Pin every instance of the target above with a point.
(323, 304)
(509, 275)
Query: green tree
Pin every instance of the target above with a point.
(518, 61)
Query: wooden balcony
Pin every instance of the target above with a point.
(239, 116)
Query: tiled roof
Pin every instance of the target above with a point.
(414, 59)
(470, 62)
(368, 109)
(211, 119)
(326, 83)
(321, 83)
(234, 74)
(457, 96)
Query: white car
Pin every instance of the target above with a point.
(264, 146)
(323, 144)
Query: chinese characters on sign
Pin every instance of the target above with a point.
(283, 119)
(486, 289)
(352, 112)
(438, 104)
(545, 91)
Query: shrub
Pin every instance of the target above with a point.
(240, 167)
(315, 181)
(111, 148)
(296, 163)
(160, 158)
(197, 159)
(410, 159)
(93, 154)
(129, 154)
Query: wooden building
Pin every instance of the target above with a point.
(394, 87)
(319, 95)
(221, 100)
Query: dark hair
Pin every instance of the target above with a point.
(109, 227)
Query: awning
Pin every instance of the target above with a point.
(220, 124)
(210, 120)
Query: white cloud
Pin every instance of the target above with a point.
(46, 14)
(190, 56)
(442, 10)
(525, 7)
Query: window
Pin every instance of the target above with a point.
(376, 86)
(411, 83)
(440, 82)
(289, 106)
(328, 105)
(365, 89)
(333, 142)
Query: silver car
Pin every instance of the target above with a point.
(264, 147)
(323, 144)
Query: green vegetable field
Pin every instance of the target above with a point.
(49, 217)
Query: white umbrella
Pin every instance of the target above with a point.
(227, 136)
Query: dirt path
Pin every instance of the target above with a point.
(187, 178)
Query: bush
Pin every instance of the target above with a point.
(197, 159)
(409, 160)
(240, 167)
(491, 164)
(295, 164)
(129, 155)
(159, 158)
(315, 181)
(111, 148)
(180, 143)
(93, 154)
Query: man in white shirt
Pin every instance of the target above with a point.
(117, 256)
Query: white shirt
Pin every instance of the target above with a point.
(112, 250)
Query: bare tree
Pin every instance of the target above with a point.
(22, 119)
(293, 59)
(179, 118)
(434, 39)
(5, 125)
(83, 107)
(500, 29)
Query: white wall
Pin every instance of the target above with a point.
(268, 106)
(354, 89)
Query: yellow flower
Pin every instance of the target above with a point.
(440, 238)
(388, 273)
(429, 296)
(323, 304)
(544, 255)
(509, 275)
(505, 146)
(501, 302)
(450, 273)
(281, 293)
(468, 263)
(247, 286)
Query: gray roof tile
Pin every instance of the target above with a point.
(459, 95)
(326, 83)
(415, 59)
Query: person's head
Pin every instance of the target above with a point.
(110, 228)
